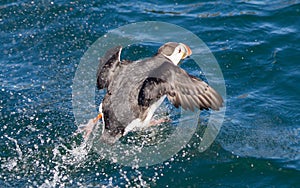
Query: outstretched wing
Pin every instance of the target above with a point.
(181, 89)
(107, 65)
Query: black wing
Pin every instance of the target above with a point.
(107, 65)
(181, 89)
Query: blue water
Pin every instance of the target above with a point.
(256, 44)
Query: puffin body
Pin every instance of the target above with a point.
(135, 89)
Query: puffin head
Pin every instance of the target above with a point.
(175, 51)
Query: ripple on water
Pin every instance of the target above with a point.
(255, 43)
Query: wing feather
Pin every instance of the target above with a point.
(107, 66)
(181, 89)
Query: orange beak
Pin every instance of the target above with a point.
(188, 51)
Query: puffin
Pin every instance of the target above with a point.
(135, 89)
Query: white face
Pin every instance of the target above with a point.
(179, 53)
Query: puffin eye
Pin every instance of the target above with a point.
(179, 50)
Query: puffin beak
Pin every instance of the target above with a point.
(188, 51)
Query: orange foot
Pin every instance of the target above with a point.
(154, 122)
(89, 127)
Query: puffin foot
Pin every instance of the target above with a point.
(154, 122)
(88, 128)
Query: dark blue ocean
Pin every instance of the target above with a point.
(256, 44)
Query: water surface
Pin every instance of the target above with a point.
(255, 43)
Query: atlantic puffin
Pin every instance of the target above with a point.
(135, 89)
